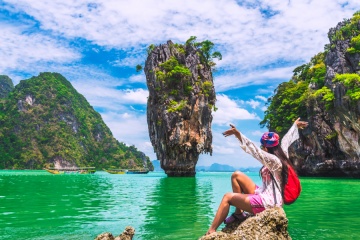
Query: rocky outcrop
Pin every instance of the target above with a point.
(6, 86)
(45, 122)
(330, 146)
(269, 224)
(128, 234)
(181, 98)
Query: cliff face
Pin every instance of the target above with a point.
(181, 98)
(45, 122)
(6, 86)
(330, 146)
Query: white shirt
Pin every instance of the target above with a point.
(271, 163)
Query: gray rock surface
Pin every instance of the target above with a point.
(269, 224)
(330, 146)
(128, 234)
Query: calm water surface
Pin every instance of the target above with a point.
(38, 205)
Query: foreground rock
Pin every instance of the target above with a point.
(269, 224)
(128, 234)
(181, 98)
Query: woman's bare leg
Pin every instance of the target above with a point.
(241, 183)
(240, 201)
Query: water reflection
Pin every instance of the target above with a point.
(325, 209)
(44, 205)
(178, 209)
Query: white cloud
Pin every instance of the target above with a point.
(228, 111)
(261, 98)
(248, 39)
(257, 133)
(138, 96)
(22, 51)
(255, 77)
(254, 104)
(137, 78)
(132, 60)
(131, 129)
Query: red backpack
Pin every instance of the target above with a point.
(292, 187)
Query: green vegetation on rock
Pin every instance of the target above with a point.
(175, 77)
(349, 30)
(352, 82)
(44, 118)
(205, 50)
(290, 98)
(6, 85)
(307, 86)
(173, 71)
(175, 106)
(285, 106)
(327, 96)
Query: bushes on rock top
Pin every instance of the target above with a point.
(354, 45)
(290, 98)
(327, 96)
(352, 82)
(349, 30)
(176, 79)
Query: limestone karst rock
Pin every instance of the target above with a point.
(269, 224)
(330, 146)
(180, 103)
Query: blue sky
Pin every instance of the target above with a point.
(97, 44)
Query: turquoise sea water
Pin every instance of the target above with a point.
(38, 205)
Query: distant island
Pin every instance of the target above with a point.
(215, 167)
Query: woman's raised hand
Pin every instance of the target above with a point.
(232, 131)
(301, 124)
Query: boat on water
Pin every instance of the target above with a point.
(136, 171)
(116, 171)
(78, 170)
(127, 171)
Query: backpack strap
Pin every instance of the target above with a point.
(273, 180)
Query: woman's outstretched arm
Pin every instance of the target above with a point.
(267, 159)
(292, 135)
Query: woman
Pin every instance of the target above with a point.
(246, 195)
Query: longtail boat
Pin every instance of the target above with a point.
(116, 171)
(76, 170)
(136, 171)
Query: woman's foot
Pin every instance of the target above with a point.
(236, 216)
(209, 232)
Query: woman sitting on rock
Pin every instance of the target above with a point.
(246, 195)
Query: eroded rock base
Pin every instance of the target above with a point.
(128, 234)
(269, 224)
(180, 173)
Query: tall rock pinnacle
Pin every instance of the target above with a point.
(181, 99)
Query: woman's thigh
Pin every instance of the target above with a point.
(241, 201)
(246, 183)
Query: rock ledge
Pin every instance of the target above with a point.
(269, 224)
